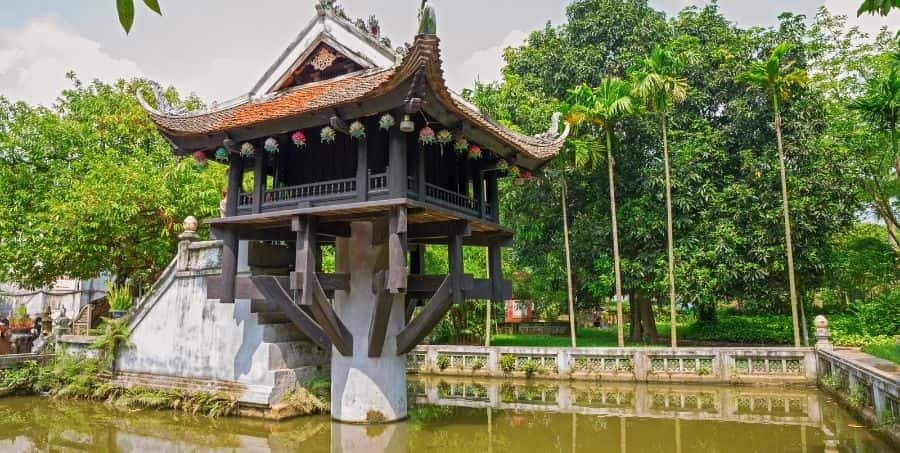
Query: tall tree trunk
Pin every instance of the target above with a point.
(648, 322)
(792, 285)
(673, 315)
(889, 222)
(565, 214)
(634, 316)
(615, 237)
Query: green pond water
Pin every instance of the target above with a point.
(448, 415)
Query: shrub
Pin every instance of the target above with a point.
(119, 297)
(858, 396)
(532, 367)
(319, 385)
(831, 381)
(478, 364)
(508, 363)
(304, 402)
(443, 361)
(111, 335)
(881, 316)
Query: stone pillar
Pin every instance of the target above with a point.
(366, 389)
(354, 438)
(823, 336)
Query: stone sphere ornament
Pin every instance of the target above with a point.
(190, 224)
(820, 322)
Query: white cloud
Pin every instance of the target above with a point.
(484, 64)
(35, 57)
(867, 23)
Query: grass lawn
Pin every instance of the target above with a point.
(886, 351)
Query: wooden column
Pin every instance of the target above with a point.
(420, 175)
(230, 239)
(397, 163)
(235, 179)
(493, 197)
(305, 260)
(478, 186)
(455, 260)
(416, 267)
(362, 170)
(260, 164)
(495, 271)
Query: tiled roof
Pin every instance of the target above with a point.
(424, 55)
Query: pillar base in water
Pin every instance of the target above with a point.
(366, 389)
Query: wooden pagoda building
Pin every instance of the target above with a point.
(344, 130)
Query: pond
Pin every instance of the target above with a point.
(459, 415)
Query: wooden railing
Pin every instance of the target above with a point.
(378, 183)
(450, 199)
(338, 188)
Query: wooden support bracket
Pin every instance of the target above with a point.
(381, 315)
(325, 316)
(421, 325)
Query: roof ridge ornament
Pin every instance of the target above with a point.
(162, 103)
(427, 19)
(553, 131)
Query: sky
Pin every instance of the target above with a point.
(219, 48)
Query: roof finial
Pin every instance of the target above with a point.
(427, 19)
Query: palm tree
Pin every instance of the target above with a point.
(777, 77)
(658, 83)
(589, 109)
(880, 105)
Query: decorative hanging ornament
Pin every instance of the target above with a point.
(502, 165)
(407, 125)
(474, 152)
(461, 146)
(328, 134)
(386, 122)
(221, 154)
(426, 136)
(525, 174)
(513, 171)
(299, 139)
(200, 158)
(444, 137)
(271, 145)
(247, 149)
(357, 130)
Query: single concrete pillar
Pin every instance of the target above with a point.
(365, 389)
(823, 336)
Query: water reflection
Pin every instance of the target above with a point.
(458, 415)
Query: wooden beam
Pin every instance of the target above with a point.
(421, 325)
(325, 316)
(397, 248)
(339, 124)
(439, 229)
(305, 260)
(244, 287)
(381, 315)
(478, 187)
(274, 289)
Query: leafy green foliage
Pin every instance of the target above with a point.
(531, 367)
(125, 10)
(880, 7)
(111, 335)
(443, 361)
(508, 363)
(888, 350)
(90, 186)
(119, 297)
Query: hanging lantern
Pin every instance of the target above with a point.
(200, 158)
(513, 171)
(386, 122)
(357, 130)
(461, 146)
(328, 134)
(444, 137)
(271, 145)
(299, 139)
(502, 165)
(474, 152)
(221, 154)
(426, 136)
(525, 174)
(407, 125)
(247, 149)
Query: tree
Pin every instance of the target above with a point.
(880, 106)
(777, 77)
(125, 9)
(92, 187)
(602, 107)
(881, 7)
(659, 83)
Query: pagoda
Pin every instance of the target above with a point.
(357, 145)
